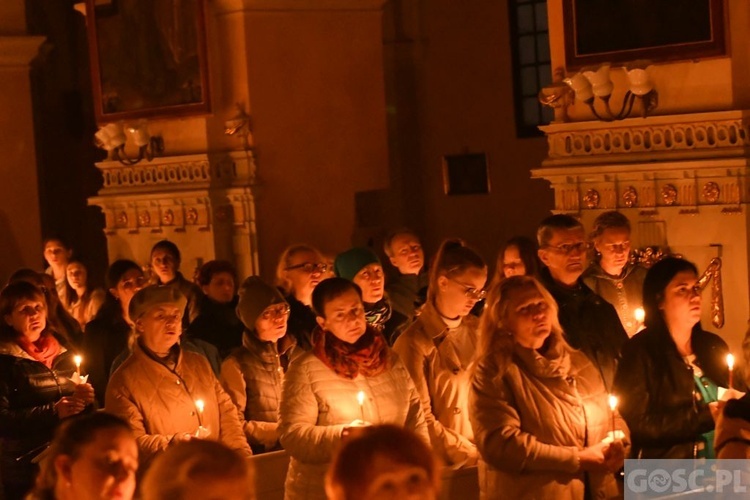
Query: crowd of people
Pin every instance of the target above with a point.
(370, 377)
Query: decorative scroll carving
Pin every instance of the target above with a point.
(669, 195)
(630, 197)
(713, 272)
(711, 192)
(591, 198)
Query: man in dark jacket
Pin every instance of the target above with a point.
(406, 286)
(590, 323)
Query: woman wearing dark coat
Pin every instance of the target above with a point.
(36, 386)
(669, 373)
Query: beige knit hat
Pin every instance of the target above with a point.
(151, 296)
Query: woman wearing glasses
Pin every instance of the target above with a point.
(438, 349)
(300, 269)
(108, 333)
(611, 275)
(253, 374)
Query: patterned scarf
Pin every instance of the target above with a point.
(44, 350)
(368, 355)
(378, 314)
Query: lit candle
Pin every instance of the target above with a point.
(640, 315)
(612, 408)
(361, 401)
(77, 360)
(730, 365)
(200, 405)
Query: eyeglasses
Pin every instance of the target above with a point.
(618, 247)
(569, 248)
(309, 267)
(470, 291)
(533, 309)
(276, 312)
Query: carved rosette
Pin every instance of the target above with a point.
(630, 197)
(710, 192)
(591, 199)
(669, 195)
(144, 218)
(122, 219)
(167, 217)
(191, 216)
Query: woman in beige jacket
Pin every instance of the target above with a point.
(349, 379)
(167, 394)
(539, 409)
(439, 347)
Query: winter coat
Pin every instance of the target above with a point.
(217, 324)
(159, 402)
(253, 376)
(404, 291)
(439, 361)
(733, 430)
(624, 292)
(28, 418)
(106, 337)
(590, 324)
(316, 406)
(658, 396)
(532, 418)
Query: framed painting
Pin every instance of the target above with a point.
(619, 31)
(466, 174)
(148, 59)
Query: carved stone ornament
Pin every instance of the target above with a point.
(591, 198)
(122, 219)
(630, 197)
(167, 218)
(711, 192)
(669, 194)
(144, 218)
(191, 216)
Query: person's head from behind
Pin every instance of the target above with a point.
(57, 252)
(338, 306)
(198, 468)
(518, 257)
(404, 250)
(217, 279)
(24, 312)
(262, 309)
(363, 267)
(93, 456)
(562, 248)
(156, 312)
(457, 279)
(300, 269)
(165, 260)
(519, 311)
(611, 239)
(384, 462)
(671, 298)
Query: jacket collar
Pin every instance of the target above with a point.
(10, 348)
(595, 270)
(252, 343)
(554, 363)
(433, 325)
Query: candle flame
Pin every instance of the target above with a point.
(200, 405)
(612, 402)
(730, 361)
(77, 360)
(640, 315)
(361, 398)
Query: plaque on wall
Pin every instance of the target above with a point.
(617, 31)
(148, 58)
(466, 174)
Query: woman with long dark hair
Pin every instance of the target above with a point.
(83, 300)
(668, 376)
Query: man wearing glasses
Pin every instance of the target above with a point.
(590, 323)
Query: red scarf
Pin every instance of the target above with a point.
(44, 350)
(368, 355)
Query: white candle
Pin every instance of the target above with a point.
(361, 401)
(730, 365)
(200, 405)
(640, 315)
(612, 408)
(77, 360)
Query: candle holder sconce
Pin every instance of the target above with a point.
(113, 137)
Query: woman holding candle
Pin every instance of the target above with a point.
(611, 275)
(156, 388)
(320, 403)
(36, 390)
(669, 373)
(439, 347)
(253, 374)
(539, 408)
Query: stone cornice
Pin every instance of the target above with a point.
(19, 51)
(228, 6)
